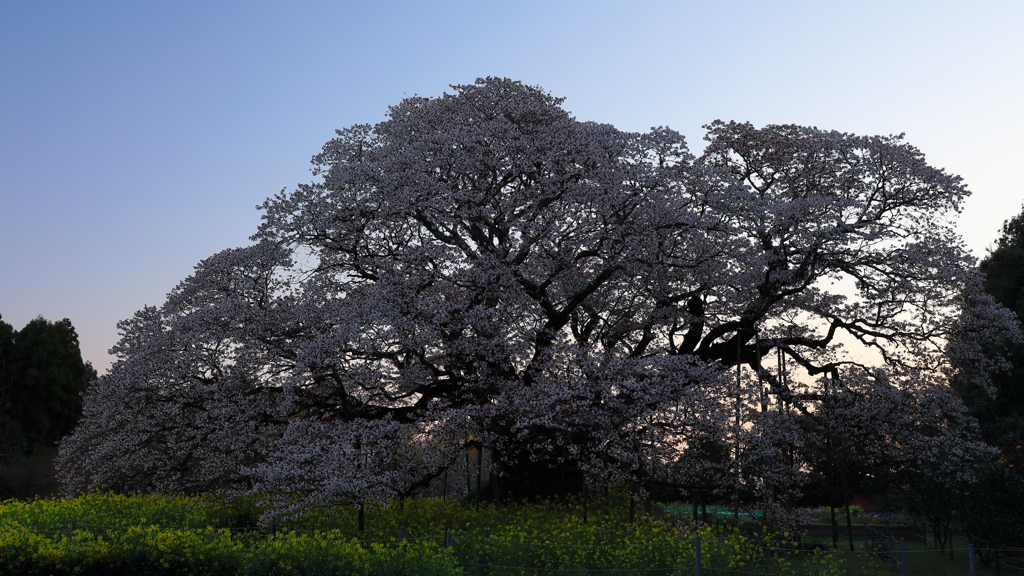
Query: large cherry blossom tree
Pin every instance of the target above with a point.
(482, 269)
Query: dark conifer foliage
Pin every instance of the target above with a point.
(994, 507)
(1002, 412)
(12, 441)
(42, 375)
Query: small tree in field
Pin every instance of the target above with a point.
(483, 269)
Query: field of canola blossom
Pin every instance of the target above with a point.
(204, 535)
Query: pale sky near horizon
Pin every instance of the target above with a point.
(136, 138)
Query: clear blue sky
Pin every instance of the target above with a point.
(137, 137)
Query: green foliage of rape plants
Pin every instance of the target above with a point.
(158, 551)
(102, 509)
(207, 535)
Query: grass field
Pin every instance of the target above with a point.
(922, 559)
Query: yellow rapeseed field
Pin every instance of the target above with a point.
(207, 535)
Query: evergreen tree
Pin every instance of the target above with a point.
(994, 509)
(12, 441)
(45, 376)
(1001, 413)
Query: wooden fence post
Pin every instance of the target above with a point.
(903, 554)
(892, 551)
(401, 549)
(486, 559)
(698, 570)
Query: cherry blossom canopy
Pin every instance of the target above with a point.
(483, 270)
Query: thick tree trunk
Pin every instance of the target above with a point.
(846, 502)
(831, 502)
(479, 471)
(538, 480)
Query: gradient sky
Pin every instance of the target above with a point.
(136, 138)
